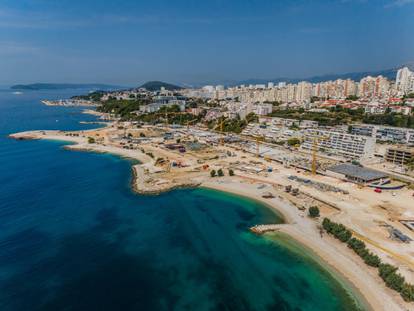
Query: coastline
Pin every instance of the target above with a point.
(336, 258)
(301, 248)
(329, 253)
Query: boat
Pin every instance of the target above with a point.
(17, 93)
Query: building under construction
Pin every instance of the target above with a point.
(398, 155)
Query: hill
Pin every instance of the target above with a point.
(156, 86)
(62, 86)
(356, 76)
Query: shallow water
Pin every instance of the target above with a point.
(74, 237)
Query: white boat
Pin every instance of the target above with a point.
(17, 93)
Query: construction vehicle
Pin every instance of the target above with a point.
(295, 191)
(268, 195)
(160, 162)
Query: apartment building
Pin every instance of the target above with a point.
(398, 155)
(405, 80)
(369, 87)
(385, 133)
(338, 143)
(263, 109)
(270, 132)
(153, 107)
(363, 130)
(392, 134)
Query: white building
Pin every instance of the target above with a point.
(337, 143)
(263, 109)
(405, 80)
(385, 133)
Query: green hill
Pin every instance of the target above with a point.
(156, 86)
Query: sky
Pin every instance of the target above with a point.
(199, 41)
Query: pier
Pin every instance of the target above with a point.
(260, 229)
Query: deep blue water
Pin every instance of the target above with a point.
(74, 237)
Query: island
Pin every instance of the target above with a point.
(62, 86)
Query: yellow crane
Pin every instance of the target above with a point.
(166, 114)
(258, 140)
(188, 127)
(221, 126)
(167, 165)
(189, 122)
(315, 145)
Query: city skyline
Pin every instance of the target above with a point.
(191, 43)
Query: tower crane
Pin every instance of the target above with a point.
(221, 126)
(315, 145)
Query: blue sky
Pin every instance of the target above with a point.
(128, 42)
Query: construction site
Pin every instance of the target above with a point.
(380, 211)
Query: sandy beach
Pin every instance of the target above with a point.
(333, 255)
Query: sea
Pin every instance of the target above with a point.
(74, 236)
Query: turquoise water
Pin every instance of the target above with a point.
(74, 237)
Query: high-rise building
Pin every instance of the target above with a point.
(303, 91)
(370, 87)
(405, 80)
(219, 87)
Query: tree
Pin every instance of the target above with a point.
(372, 260)
(356, 244)
(313, 211)
(326, 223)
(231, 172)
(220, 172)
(293, 141)
(213, 173)
(395, 281)
(352, 97)
(252, 117)
(91, 140)
(387, 272)
(410, 164)
(407, 292)
(344, 235)
(314, 99)
(386, 269)
(141, 134)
